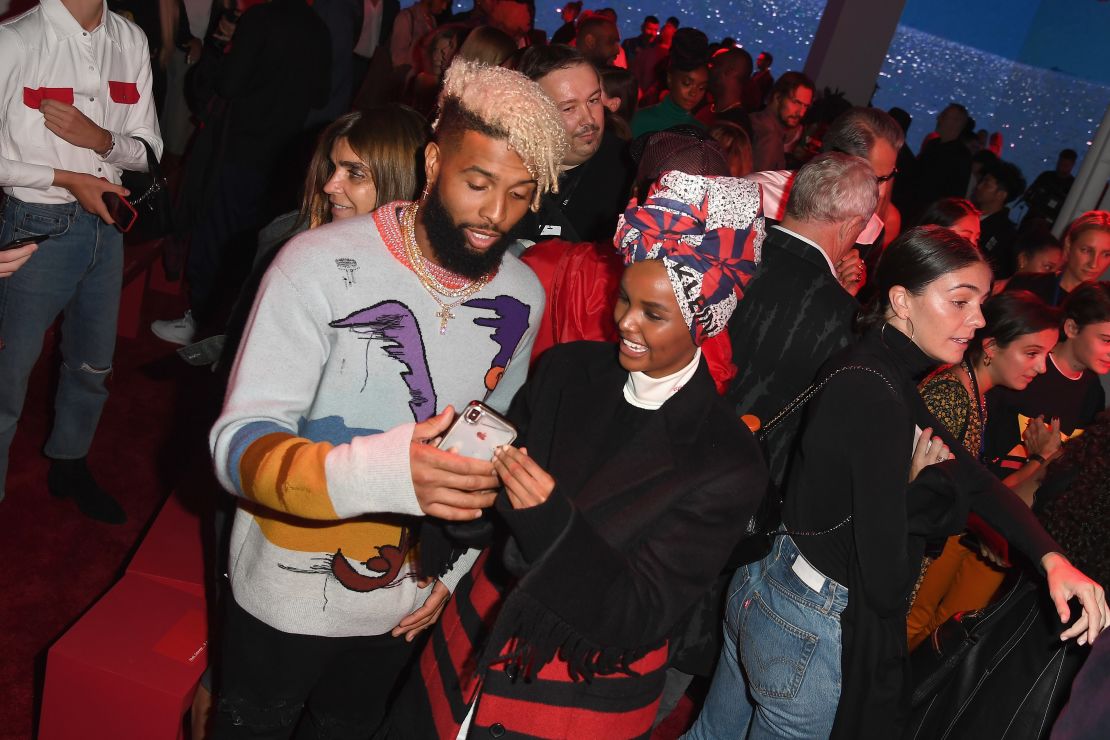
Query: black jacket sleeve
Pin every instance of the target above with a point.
(636, 597)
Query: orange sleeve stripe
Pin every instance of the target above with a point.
(286, 473)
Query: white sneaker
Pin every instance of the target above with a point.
(178, 331)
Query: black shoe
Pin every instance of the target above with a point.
(72, 479)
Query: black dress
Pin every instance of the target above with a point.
(853, 460)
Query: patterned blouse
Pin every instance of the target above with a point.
(948, 399)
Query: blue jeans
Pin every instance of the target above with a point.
(78, 271)
(779, 672)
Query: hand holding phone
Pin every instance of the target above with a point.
(477, 432)
(448, 485)
(122, 212)
(15, 253)
(24, 242)
(526, 483)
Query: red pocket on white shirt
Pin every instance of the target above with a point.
(32, 98)
(123, 92)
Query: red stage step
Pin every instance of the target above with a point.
(128, 668)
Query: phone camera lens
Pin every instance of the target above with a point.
(473, 415)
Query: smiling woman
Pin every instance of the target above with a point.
(654, 338)
(1067, 396)
(819, 624)
(1008, 352)
(632, 483)
(1086, 257)
(362, 160)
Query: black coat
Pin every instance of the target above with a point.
(591, 196)
(677, 494)
(276, 71)
(851, 466)
(794, 316)
(996, 241)
(614, 561)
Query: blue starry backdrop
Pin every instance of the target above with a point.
(1038, 71)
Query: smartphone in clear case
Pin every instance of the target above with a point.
(477, 431)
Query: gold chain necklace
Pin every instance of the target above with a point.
(433, 286)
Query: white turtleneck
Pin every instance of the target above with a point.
(645, 392)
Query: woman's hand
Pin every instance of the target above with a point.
(850, 271)
(525, 481)
(1066, 581)
(1042, 439)
(929, 450)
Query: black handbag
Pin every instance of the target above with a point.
(997, 672)
(150, 197)
(764, 524)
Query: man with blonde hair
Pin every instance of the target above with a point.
(365, 335)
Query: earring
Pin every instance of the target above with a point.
(910, 322)
(986, 360)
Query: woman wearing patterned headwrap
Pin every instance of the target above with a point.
(632, 483)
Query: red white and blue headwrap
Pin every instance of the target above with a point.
(708, 231)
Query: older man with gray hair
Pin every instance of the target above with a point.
(864, 132)
(795, 313)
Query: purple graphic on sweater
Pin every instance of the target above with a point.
(394, 323)
(509, 324)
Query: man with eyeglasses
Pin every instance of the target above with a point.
(862, 132)
(777, 127)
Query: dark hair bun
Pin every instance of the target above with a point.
(689, 50)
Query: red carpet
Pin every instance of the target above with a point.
(56, 561)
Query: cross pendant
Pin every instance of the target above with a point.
(444, 315)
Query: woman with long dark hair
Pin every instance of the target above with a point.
(819, 624)
(1064, 399)
(957, 214)
(1009, 351)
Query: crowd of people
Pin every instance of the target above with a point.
(783, 398)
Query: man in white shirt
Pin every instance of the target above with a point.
(75, 99)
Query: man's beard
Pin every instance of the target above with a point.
(453, 252)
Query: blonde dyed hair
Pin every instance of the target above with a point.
(512, 107)
(1089, 221)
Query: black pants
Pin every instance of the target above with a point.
(224, 239)
(273, 683)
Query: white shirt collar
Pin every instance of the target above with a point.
(1061, 370)
(646, 392)
(65, 25)
(811, 243)
(776, 186)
